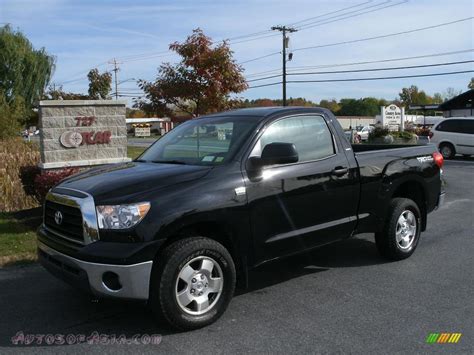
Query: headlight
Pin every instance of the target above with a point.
(121, 216)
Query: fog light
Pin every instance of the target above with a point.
(111, 280)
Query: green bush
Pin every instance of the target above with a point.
(385, 136)
(402, 135)
(378, 132)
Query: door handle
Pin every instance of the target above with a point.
(340, 170)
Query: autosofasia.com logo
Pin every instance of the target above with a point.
(442, 338)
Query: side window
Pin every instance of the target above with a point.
(466, 126)
(309, 134)
(448, 126)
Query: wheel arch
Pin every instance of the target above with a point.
(447, 141)
(415, 191)
(215, 230)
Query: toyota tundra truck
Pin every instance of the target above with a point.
(222, 194)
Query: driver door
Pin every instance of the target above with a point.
(294, 207)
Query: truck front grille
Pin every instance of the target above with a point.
(71, 223)
(70, 217)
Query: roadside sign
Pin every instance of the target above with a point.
(142, 132)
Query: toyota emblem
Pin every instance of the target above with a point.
(58, 217)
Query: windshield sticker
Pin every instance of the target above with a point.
(208, 158)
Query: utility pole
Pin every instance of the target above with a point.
(284, 30)
(115, 70)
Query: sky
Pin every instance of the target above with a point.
(87, 34)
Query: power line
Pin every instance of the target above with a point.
(382, 69)
(248, 35)
(329, 13)
(364, 39)
(295, 23)
(365, 79)
(365, 70)
(385, 36)
(72, 81)
(264, 78)
(148, 57)
(331, 19)
(132, 56)
(81, 75)
(381, 78)
(273, 35)
(152, 55)
(383, 60)
(358, 63)
(258, 58)
(258, 35)
(352, 14)
(263, 85)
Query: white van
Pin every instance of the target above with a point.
(454, 135)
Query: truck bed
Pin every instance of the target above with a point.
(357, 148)
(380, 168)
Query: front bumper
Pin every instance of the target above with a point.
(129, 281)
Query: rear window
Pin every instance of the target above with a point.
(457, 126)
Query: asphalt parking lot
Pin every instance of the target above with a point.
(341, 298)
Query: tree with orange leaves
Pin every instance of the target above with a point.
(200, 83)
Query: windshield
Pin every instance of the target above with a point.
(206, 141)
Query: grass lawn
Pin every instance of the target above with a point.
(134, 152)
(17, 237)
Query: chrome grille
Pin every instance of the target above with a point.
(78, 217)
(71, 224)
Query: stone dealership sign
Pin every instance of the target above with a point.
(82, 133)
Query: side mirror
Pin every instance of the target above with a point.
(278, 153)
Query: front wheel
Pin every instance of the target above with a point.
(401, 231)
(193, 283)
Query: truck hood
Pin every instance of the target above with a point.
(122, 181)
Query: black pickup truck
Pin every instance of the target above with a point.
(224, 193)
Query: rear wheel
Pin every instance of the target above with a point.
(193, 283)
(401, 231)
(447, 150)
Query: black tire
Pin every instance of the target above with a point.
(386, 241)
(447, 150)
(164, 281)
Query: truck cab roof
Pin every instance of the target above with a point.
(263, 112)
